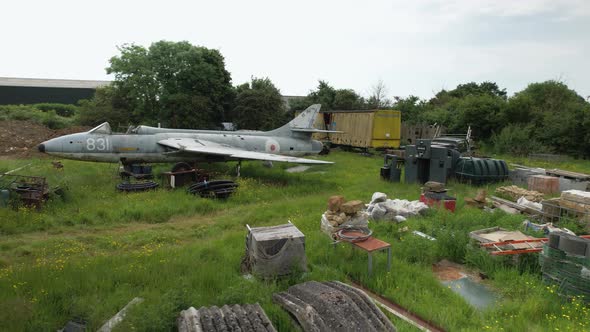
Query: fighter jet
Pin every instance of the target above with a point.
(145, 144)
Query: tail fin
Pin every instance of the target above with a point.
(302, 122)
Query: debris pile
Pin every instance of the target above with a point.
(383, 208)
(31, 191)
(332, 306)
(136, 178)
(479, 201)
(504, 242)
(566, 180)
(533, 205)
(213, 189)
(341, 214)
(565, 263)
(435, 194)
(514, 193)
(578, 202)
(546, 228)
(249, 317)
(497, 234)
(574, 204)
(136, 187)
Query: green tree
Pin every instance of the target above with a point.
(259, 106)
(411, 107)
(477, 105)
(558, 116)
(107, 105)
(325, 95)
(331, 99)
(348, 99)
(472, 88)
(480, 112)
(174, 83)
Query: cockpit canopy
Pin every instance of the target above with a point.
(104, 128)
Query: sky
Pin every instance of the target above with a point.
(414, 47)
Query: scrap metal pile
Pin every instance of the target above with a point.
(30, 191)
(136, 178)
(213, 189)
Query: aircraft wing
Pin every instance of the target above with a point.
(205, 147)
(313, 130)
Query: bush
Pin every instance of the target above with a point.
(517, 140)
(106, 106)
(31, 113)
(65, 110)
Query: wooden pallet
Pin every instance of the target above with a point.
(535, 245)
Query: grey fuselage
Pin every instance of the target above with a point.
(142, 145)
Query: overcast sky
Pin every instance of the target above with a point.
(415, 47)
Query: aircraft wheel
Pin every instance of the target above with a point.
(181, 166)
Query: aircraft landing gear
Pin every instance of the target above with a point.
(238, 167)
(180, 167)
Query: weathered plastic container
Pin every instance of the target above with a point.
(480, 171)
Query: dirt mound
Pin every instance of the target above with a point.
(19, 139)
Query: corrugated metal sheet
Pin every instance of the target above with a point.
(332, 306)
(51, 83)
(248, 317)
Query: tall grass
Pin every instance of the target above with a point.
(89, 255)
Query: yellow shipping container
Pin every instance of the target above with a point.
(361, 129)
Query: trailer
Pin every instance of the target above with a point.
(360, 128)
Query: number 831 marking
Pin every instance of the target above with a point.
(99, 144)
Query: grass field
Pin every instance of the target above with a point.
(90, 253)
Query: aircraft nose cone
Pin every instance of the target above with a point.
(41, 147)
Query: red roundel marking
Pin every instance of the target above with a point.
(272, 147)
